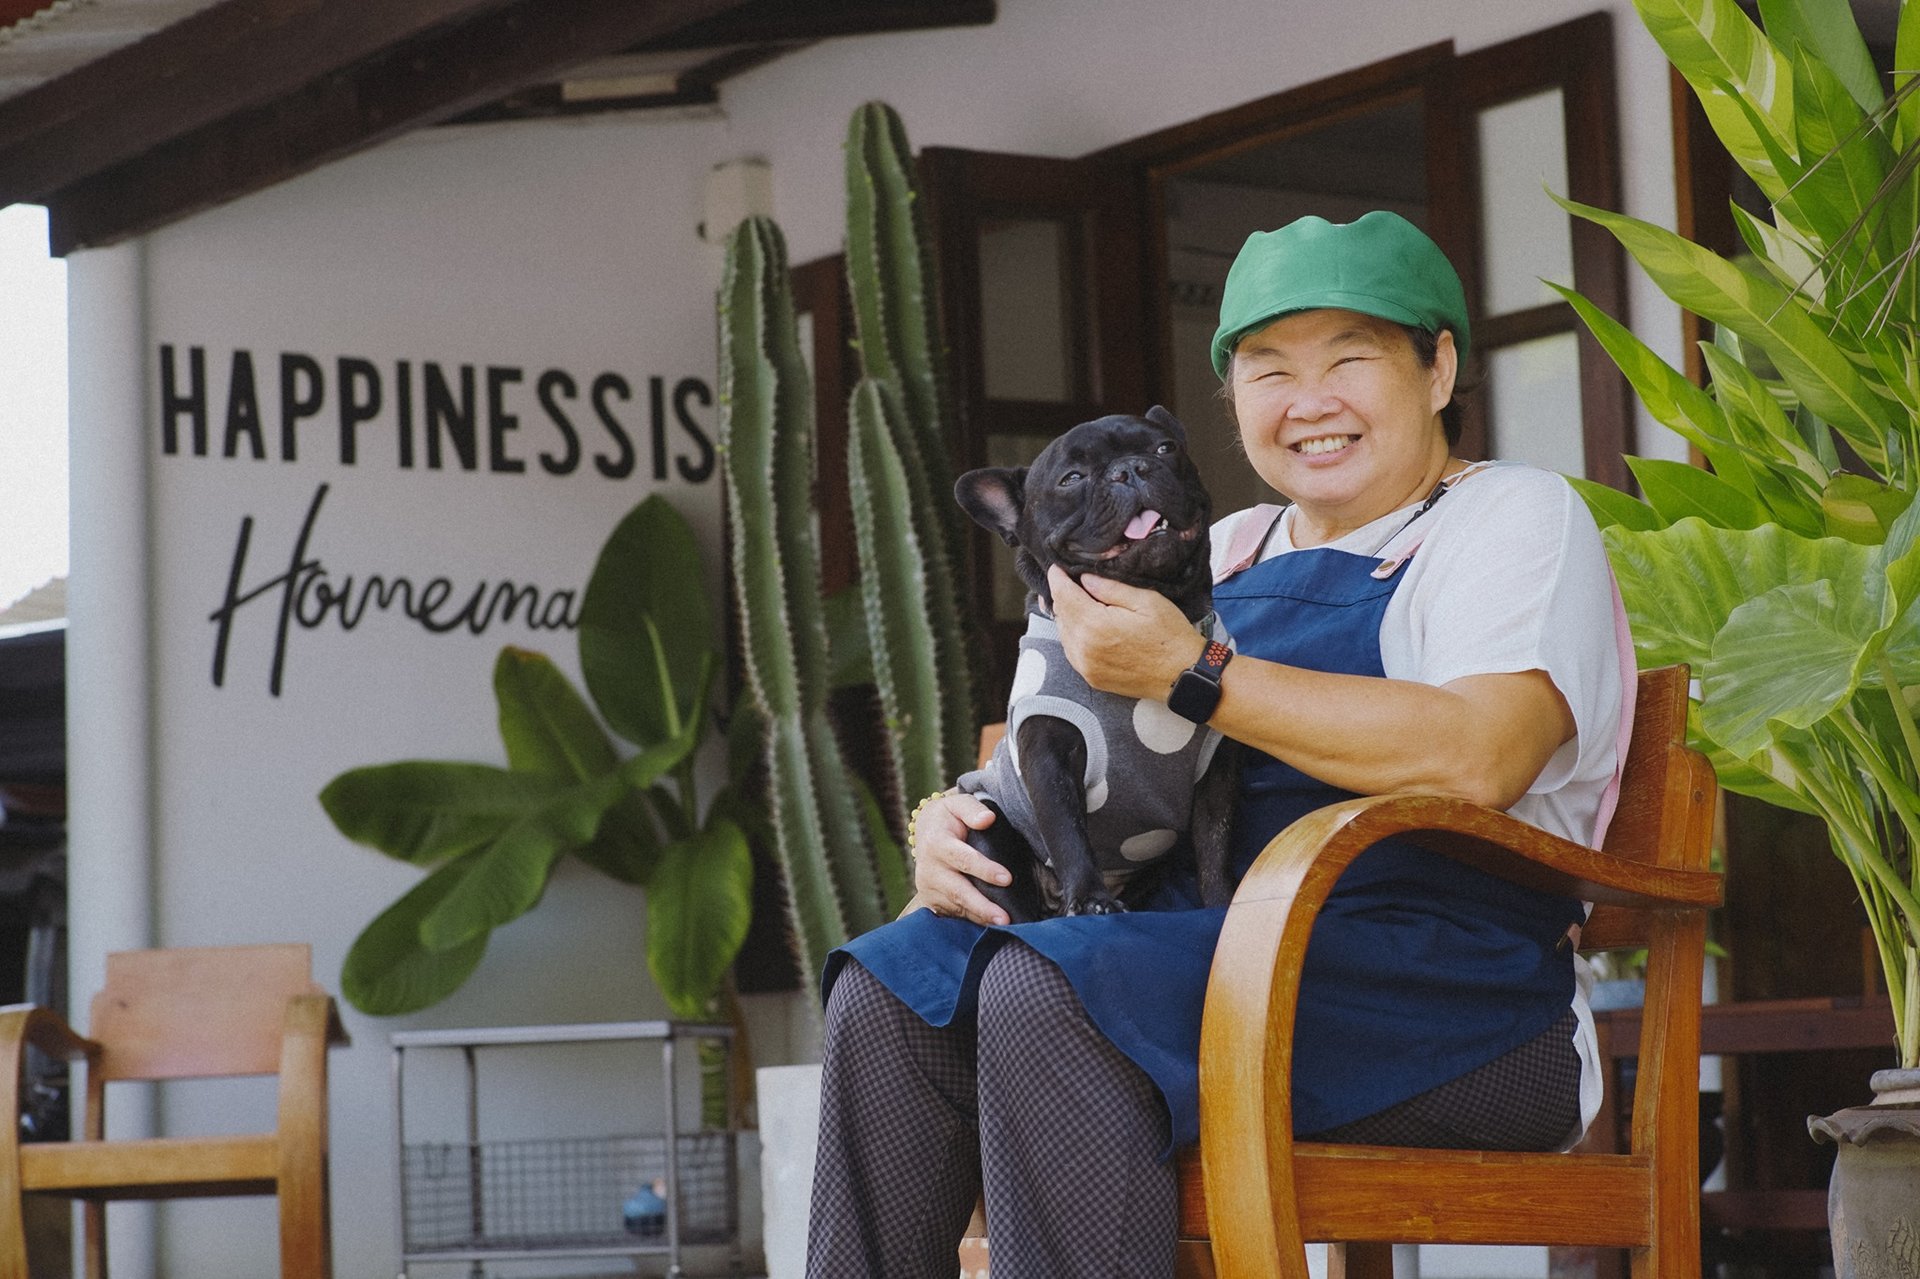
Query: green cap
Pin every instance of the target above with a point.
(1380, 265)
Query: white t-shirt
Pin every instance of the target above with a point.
(1508, 574)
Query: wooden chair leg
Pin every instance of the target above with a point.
(95, 1228)
(306, 1234)
(1193, 1259)
(13, 1235)
(1360, 1261)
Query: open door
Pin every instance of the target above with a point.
(1078, 287)
(1043, 295)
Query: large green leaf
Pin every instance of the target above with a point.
(1762, 311)
(1861, 510)
(1897, 563)
(1677, 491)
(1906, 61)
(646, 628)
(1782, 252)
(1681, 584)
(1828, 32)
(1675, 597)
(1667, 394)
(1723, 54)
(626, 847)
(1791, 655)
(424, 811)
(504, 880)
(1610, 506)
(656, 761)
(1758, 424)
(546, 725)
(389, 971)
(1753, 777)
(699, 903)
(1846, 165)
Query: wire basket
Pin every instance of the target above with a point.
(525, 1195)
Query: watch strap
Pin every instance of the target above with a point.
(1197, 692)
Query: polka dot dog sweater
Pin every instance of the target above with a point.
(1143, 761)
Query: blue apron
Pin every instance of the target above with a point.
(1419, 969)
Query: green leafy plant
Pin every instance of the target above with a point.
(492, 836)
(1787, 574)
(845, 872)
(908, 528)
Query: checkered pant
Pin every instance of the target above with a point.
(1069, 1147)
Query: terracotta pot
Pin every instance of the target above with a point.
(1873, 1200)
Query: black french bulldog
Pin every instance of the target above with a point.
(1118, 497)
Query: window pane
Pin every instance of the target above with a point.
(1023, 314)
(1533, 404)
(1523, 153)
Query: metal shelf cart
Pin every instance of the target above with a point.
(496, 1201)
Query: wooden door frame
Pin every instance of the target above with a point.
(1575, 56)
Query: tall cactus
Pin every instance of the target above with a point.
(767, 441)
(896, 586)
(913, 600)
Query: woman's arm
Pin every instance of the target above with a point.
(945, 866)
(1483, 738)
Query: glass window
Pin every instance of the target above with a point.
(1523, 153)
(1533, 404)
(1023, 307)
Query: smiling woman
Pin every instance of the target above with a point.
(33, 412)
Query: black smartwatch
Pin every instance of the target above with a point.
(1197, 691)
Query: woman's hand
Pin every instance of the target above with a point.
(1123, 639)
(945, 866)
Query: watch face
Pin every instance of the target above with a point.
(1194, 696)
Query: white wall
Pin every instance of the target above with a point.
(550, 244)
(1090, 74)
(567, 246)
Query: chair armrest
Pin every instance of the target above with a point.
(311, 1027)
(42, 1028)
(22, 1025)
(1246, 1036)
(1325, 842)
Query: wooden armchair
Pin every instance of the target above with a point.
(183, 1014)
(1265, 1195)
(1252, 1197)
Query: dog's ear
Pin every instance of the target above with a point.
(1167, 422)
(993, 496)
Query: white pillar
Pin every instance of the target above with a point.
(110, 800)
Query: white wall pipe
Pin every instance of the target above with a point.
(110, 801)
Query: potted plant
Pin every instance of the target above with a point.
(837, 842)
(492, 836)
(1786, 575)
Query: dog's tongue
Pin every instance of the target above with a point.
(1142, 524)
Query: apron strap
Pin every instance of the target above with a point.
(1249, 539)
(1629, 694)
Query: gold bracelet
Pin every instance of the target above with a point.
(914, 820)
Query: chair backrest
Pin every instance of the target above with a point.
(1658, 820)
(197, 1012)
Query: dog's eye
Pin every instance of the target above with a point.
(1071, 477)
(1166, 446)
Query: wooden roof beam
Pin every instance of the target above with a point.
(420, 81)
(192, 73)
